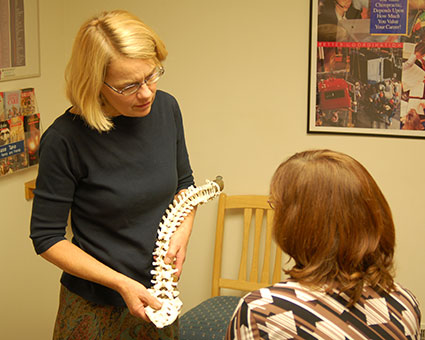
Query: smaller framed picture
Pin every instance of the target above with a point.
(20, 130)
(19, 39)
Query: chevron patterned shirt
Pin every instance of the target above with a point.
(289, 310)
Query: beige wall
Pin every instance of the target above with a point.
(239, 71)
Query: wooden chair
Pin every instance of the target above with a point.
(260, 265)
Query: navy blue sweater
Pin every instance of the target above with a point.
(116, 184)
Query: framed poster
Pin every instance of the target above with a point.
(367, 67)
(19, 39)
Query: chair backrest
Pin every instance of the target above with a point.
(257, 249)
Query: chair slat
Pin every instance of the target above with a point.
(247, 201)
(265, 275)
(245, 242)
(259, 213)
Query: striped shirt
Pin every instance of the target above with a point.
(289, 310)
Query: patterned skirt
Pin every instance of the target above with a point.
(79, 319)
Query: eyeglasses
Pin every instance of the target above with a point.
(270, 204)
(133, 88)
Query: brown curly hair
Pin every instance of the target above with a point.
(332, 219)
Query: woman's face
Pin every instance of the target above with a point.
(122, 72)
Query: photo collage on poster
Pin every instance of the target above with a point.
(19, 130)
(370, 64)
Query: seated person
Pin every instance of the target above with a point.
(332, 219)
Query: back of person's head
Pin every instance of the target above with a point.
(333, 220)
(110, 35)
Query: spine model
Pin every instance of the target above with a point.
(164, 283)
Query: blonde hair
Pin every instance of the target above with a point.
(333, 220)
(111, 34)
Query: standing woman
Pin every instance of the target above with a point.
(114, 161)
(332, 219)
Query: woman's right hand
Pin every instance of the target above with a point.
(77, 262)
(137, 297)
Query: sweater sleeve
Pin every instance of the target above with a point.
(184, 170)
(54, 191)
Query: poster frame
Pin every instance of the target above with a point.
(402, 43)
